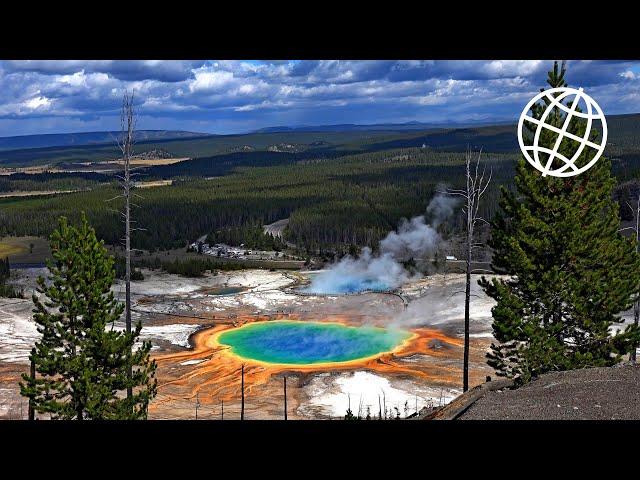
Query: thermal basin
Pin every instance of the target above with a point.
(304, 343)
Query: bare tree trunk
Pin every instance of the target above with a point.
(128, 264)
(242, 393)
(636, 317)
(31, 413)
(476, 185)
(467, 302)
(384, 404)
(127, 120)
(636, 305)
(467, 293)
(285, 398)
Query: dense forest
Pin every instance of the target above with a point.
(196, 267)
(51, 181)
(354, 199)
(336, 199)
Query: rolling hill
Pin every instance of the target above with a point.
(389, 127)
(196, 146)
(623, 143)
(87, 138)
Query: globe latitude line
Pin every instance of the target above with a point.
(570, 135)
(564, 108)
(543, 118)
(589, 102)
(583, 142)
(565, 125)
(549, 151)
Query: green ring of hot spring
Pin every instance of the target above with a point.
(304, 343)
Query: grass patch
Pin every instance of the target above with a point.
(8, 249)
(25, 249)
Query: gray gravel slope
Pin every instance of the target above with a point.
(588, 394)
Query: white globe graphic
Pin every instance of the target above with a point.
(591, 112)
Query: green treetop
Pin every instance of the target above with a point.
(570, 270)
(81, 361)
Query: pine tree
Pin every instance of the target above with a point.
(81, 361)
(5, 269)
(570, 271)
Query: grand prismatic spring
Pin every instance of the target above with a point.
(301, 343)
(305, 351)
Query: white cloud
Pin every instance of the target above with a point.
(432, 99)
(512, 68)
(231, 93)
(210, 80)
(247, 88)
(76, 79)
(37, 103)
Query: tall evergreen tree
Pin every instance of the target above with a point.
(5, 269)
(570, 271)
(81, 362)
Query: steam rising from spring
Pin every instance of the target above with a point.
(383, 271)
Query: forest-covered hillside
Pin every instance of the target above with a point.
(350, 192)
(355, 199)
(493, 138)
(200, 146)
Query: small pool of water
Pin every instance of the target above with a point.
(300, 343)
(223, 290)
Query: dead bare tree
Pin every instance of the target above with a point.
(636, 230)
(476, 186)
(636, 305)
(285, 397)
(242, 393)
(32, 373)
(126, 140)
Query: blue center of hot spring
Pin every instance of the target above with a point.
(299, 343)
(360, 285)
(347, 285)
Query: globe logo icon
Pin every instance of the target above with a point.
(556, 118)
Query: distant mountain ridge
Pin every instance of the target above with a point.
(498, 138)
(88, 138)
(396, 127)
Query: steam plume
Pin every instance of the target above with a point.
(383, 271)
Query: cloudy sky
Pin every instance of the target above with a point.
(222, 96)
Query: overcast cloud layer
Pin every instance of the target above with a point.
(239, 96)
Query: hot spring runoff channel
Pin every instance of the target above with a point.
(303, 343)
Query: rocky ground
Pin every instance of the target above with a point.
(587, 394)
